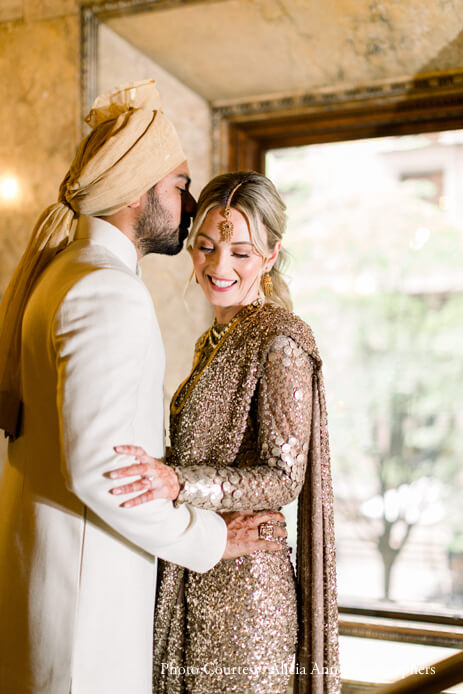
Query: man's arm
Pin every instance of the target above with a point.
(102, 334)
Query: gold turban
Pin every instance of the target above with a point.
(131, 146)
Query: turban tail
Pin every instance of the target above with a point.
(131, 147)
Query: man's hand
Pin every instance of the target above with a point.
(243, 532)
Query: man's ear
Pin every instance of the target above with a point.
(139, 202)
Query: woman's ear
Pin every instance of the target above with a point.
(272, 257)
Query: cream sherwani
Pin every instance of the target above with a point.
(77, 573)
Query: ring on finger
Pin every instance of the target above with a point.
(267, 531)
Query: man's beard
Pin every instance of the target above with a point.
(155, 231)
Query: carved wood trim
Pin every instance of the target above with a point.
(244, 130)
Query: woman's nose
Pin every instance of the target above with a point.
(220, 262)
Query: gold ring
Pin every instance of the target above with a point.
(267, 531)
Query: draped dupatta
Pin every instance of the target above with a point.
(317, 650)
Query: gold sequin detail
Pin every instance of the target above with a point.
(240, 442)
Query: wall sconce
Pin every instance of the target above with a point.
(9, 189)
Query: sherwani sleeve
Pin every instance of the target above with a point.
(103, 338)
(284, 414)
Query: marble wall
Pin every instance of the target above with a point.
(39, 67)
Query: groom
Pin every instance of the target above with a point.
(81, 369)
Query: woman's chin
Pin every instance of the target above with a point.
(221, 298)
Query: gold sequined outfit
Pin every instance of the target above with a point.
(241, 434)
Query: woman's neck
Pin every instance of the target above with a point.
(224, 314)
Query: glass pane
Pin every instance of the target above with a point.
(376, 238)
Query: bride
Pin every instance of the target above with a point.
(248, 431)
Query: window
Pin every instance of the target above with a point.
(376, 266)
(376, 270)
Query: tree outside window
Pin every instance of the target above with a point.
(377, 248)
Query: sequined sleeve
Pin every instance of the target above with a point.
(284, 413)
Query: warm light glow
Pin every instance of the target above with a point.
(9, 188)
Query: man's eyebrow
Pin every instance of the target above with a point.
(186, 178)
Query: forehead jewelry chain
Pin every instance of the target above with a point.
(226, 227)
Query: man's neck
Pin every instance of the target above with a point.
(122, 221)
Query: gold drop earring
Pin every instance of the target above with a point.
(267, 284)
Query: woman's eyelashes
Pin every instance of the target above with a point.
(237, 254)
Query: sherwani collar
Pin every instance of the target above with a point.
(99, 231)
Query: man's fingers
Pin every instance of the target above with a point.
(264, 517)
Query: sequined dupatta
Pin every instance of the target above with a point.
(317, 656)
(169, 629)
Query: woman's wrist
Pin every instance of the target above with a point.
(181, 485)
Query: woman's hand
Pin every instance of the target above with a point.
(157, 480)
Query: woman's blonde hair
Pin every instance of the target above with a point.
(260, 203)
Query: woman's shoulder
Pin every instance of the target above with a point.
(274, 322)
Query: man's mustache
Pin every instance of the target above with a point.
(184, 227)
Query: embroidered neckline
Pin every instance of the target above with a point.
(215, 338)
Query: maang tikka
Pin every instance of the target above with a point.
(226, 227)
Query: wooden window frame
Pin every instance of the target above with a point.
(243, 131)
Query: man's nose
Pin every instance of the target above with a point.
(189, 204)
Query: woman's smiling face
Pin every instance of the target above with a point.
(229, 272)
